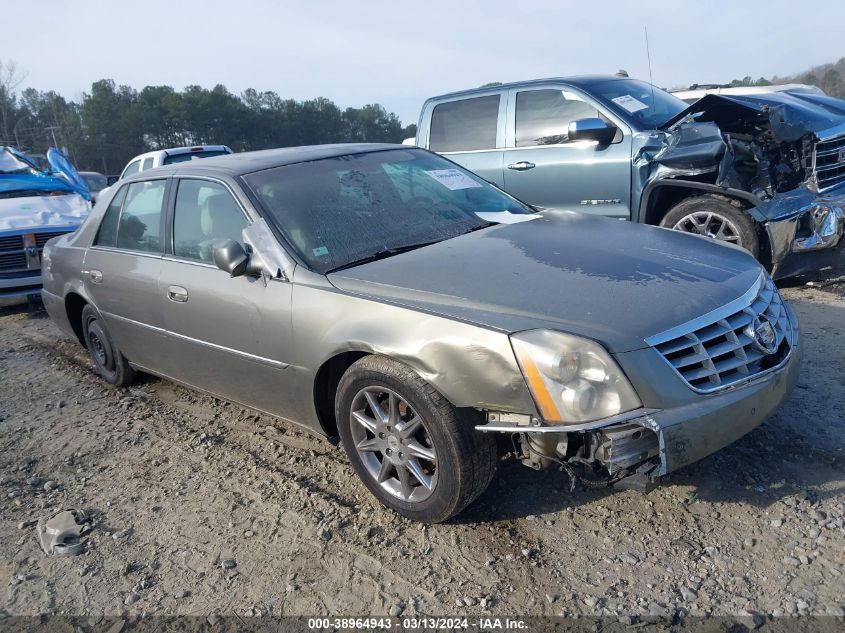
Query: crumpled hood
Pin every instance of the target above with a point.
(791, 114)
(33, 182)
(35, 212)
(612, 281)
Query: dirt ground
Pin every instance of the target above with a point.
(201, 507)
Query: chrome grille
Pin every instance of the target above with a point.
(829, 162)
(11, 242)
(722, 350)
(13, 252)
(13, 261)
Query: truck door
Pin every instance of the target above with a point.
(471, 132)
(543, 168)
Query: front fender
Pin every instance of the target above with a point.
(471, 366)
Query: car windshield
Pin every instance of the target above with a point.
(11, 164)
(638, 102)
(340, 211)
(95, 182)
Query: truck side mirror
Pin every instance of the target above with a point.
(592, 129)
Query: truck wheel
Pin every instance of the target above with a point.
(414, 451)
(716, 218)
(108, 361)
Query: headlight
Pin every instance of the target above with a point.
(572, 379)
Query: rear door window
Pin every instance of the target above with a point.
(140, 221)
(464, 125)
(107, 233)
(543, 117)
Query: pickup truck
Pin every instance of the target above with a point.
(765, 172)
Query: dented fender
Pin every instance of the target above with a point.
(470, 365)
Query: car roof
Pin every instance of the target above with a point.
(580, 81)
(249, 162)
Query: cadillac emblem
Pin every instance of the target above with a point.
(763, 335)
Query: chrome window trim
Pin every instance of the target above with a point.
(470, 151)
(186, 260)
(125, 251)
(222, 348)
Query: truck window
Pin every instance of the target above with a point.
(132, 168)
(543, 117)
(464, 125)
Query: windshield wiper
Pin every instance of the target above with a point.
(481, 226)
(383, 254)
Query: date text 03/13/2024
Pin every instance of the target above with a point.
(418, 623)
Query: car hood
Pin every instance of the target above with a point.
(29, 213)
(791, 114)
(615, 282)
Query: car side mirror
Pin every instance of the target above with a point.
(592, 129)
(231, 257)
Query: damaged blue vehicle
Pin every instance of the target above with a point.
(35, 205)
(765, 172)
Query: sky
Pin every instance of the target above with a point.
(398, 53)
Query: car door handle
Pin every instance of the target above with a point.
(177, 294)
(521, 165)
(95, 276)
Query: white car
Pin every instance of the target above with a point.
(696, 91)
(172, 155)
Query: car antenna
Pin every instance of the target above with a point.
(648, 56)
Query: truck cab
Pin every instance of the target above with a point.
(726, 167)
(517, 136)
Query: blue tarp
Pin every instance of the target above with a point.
(31, 178)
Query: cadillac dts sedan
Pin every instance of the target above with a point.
(385, 296)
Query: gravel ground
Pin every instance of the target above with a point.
(202, 507)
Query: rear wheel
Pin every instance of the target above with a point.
(715, 218)
(108, 361)
(412, 449)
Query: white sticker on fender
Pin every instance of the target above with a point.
(453, 179)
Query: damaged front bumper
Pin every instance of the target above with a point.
(807, 230)
(659, 441)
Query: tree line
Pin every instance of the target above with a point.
(828, 77)
(112, 123)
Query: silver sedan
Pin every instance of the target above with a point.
(384, 295)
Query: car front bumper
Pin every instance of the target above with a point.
(807, 230)
(678, 435)
(19, 286)
(691, 432)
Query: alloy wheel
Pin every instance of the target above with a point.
(393, 443)
(710, 225)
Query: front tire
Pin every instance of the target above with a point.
(413, 450)
(714, 217)
(108, 361)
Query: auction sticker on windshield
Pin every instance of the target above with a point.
(629, 103)
(453, 179)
